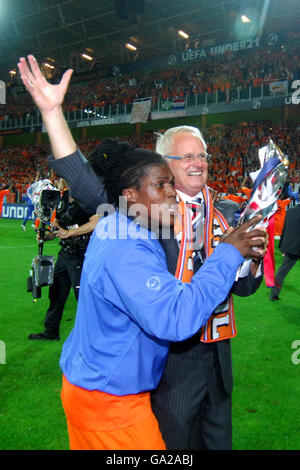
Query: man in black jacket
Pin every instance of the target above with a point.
(289, 245)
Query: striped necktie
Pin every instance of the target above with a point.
(196, 205)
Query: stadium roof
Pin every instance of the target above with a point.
(61, 30)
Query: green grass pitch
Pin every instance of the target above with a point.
(266, 412)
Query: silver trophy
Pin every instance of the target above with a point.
(268, 183)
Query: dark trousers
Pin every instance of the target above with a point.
(190, 403)
(67, 272)
(287, 263)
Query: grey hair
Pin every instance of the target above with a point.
(164, 141)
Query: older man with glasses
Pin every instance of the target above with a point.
(193, 400)
(188, 158)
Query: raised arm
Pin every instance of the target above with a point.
(48, 99)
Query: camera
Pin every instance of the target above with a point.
(45, 198)
(49, 200)
(41, 274)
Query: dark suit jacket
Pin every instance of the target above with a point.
(290, 237)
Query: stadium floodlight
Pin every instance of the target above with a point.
(183, 34)
(50, 66)
(245, 19)
(130, 46)
(86, 56)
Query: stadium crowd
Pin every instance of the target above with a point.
(233, 71)
(233, 150)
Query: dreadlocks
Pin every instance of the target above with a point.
(121, 166)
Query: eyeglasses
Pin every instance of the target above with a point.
(203, 157)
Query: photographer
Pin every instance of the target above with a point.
(73, 226)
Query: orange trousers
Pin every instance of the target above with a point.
(99, 421)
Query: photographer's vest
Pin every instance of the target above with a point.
(221, 324)
(70, 214)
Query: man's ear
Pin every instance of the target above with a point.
(130, 194)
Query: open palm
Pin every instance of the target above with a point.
(46, 96)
